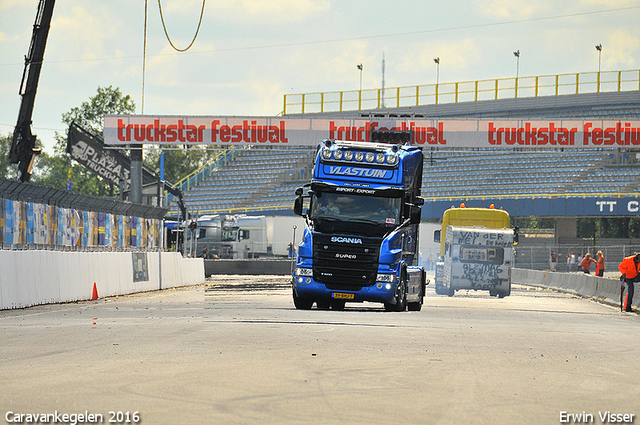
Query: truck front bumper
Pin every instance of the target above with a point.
(307, 287)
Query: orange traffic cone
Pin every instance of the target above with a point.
(94, 295)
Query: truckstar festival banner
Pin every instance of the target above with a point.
(184, 130)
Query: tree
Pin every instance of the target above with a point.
(107, 101)
(7, 170)
(55, 170)
(90, 116)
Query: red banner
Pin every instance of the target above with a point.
(183, 130)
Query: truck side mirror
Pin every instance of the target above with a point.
(436, 235)
(297, 205)
(516, 238)
(415, 214)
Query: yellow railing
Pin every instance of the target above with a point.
(466, 91)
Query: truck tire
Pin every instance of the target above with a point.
(401, 298)
(505, 293)
(302, 303)
(417, 306)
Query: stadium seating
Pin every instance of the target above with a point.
(265, 179)
(257, 178)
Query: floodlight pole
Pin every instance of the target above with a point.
(517, 55)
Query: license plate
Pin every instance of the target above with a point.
(340, 295)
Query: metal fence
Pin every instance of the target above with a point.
(38, 217)
(537, 257)
(465, 91)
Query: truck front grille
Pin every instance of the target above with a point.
(346, 266)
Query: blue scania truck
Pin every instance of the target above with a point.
(362, 209)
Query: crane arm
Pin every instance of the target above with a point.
(23, 145)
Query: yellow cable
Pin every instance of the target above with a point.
(167, 34)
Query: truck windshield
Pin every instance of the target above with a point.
(229, 235)
(337, 212)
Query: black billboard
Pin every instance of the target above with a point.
(89, 150)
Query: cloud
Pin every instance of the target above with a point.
(610, 3)
(83, 34)
(509, 9)
(454, 55)
(7, 4)
(274, 10)
(620, 50)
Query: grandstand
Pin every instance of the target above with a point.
(257, 179)
(263, 180)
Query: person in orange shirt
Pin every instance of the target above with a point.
(629, 269)
(586, 263)
(600, 264)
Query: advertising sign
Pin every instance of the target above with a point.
(274, 131)
(543, 206)
(110, 164)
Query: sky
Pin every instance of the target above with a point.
(249, 53)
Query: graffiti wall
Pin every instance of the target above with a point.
(28, 225)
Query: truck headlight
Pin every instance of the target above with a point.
(392, 158)
(303, 271)
(326, 153)
(386, 278)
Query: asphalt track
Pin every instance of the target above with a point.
(236, 351)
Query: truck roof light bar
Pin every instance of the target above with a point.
(391, 136)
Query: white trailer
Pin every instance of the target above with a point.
(260, 236)
(244, 236)
(253, 237)
(478, 258)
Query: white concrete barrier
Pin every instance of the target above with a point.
(601, 289)
(35, 277)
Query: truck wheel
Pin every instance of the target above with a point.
(417, 306)
(505, 293)
(301, 303)
(414, 306)
(450, 292)
(401, 298)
